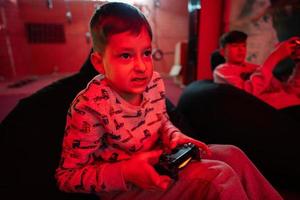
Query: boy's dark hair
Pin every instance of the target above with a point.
(113, 18)
(232, 37)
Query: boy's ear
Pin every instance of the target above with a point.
(222, 51)
(97, 61)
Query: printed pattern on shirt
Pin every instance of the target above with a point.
(103, 128)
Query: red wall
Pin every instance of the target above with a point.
(44, 58)
(170, 25)
(169, 22)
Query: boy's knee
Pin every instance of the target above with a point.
(207, 170)
(234, 150)
(225, 152)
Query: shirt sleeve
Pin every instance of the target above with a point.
(80, 169)
(167, 129)
(257, 82)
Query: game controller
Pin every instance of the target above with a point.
(170, 164)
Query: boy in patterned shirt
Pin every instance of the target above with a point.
(117, 127)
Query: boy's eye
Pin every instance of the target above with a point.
(148, 53)
(125, 55)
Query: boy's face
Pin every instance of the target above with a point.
(126, 63)
(235, 53)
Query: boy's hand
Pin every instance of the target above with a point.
(180, 139)
(139, 171)
(296, 51)
(288, 47)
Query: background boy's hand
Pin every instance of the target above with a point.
(296, 49)
(179, 139)
(287, 48)
(139, 171)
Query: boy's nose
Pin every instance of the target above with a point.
(139, 65)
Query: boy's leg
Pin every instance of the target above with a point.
(220, 179)
(206, 179)
(254, 183)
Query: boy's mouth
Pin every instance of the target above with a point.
(139, 79)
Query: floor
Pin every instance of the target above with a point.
(12, 91)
